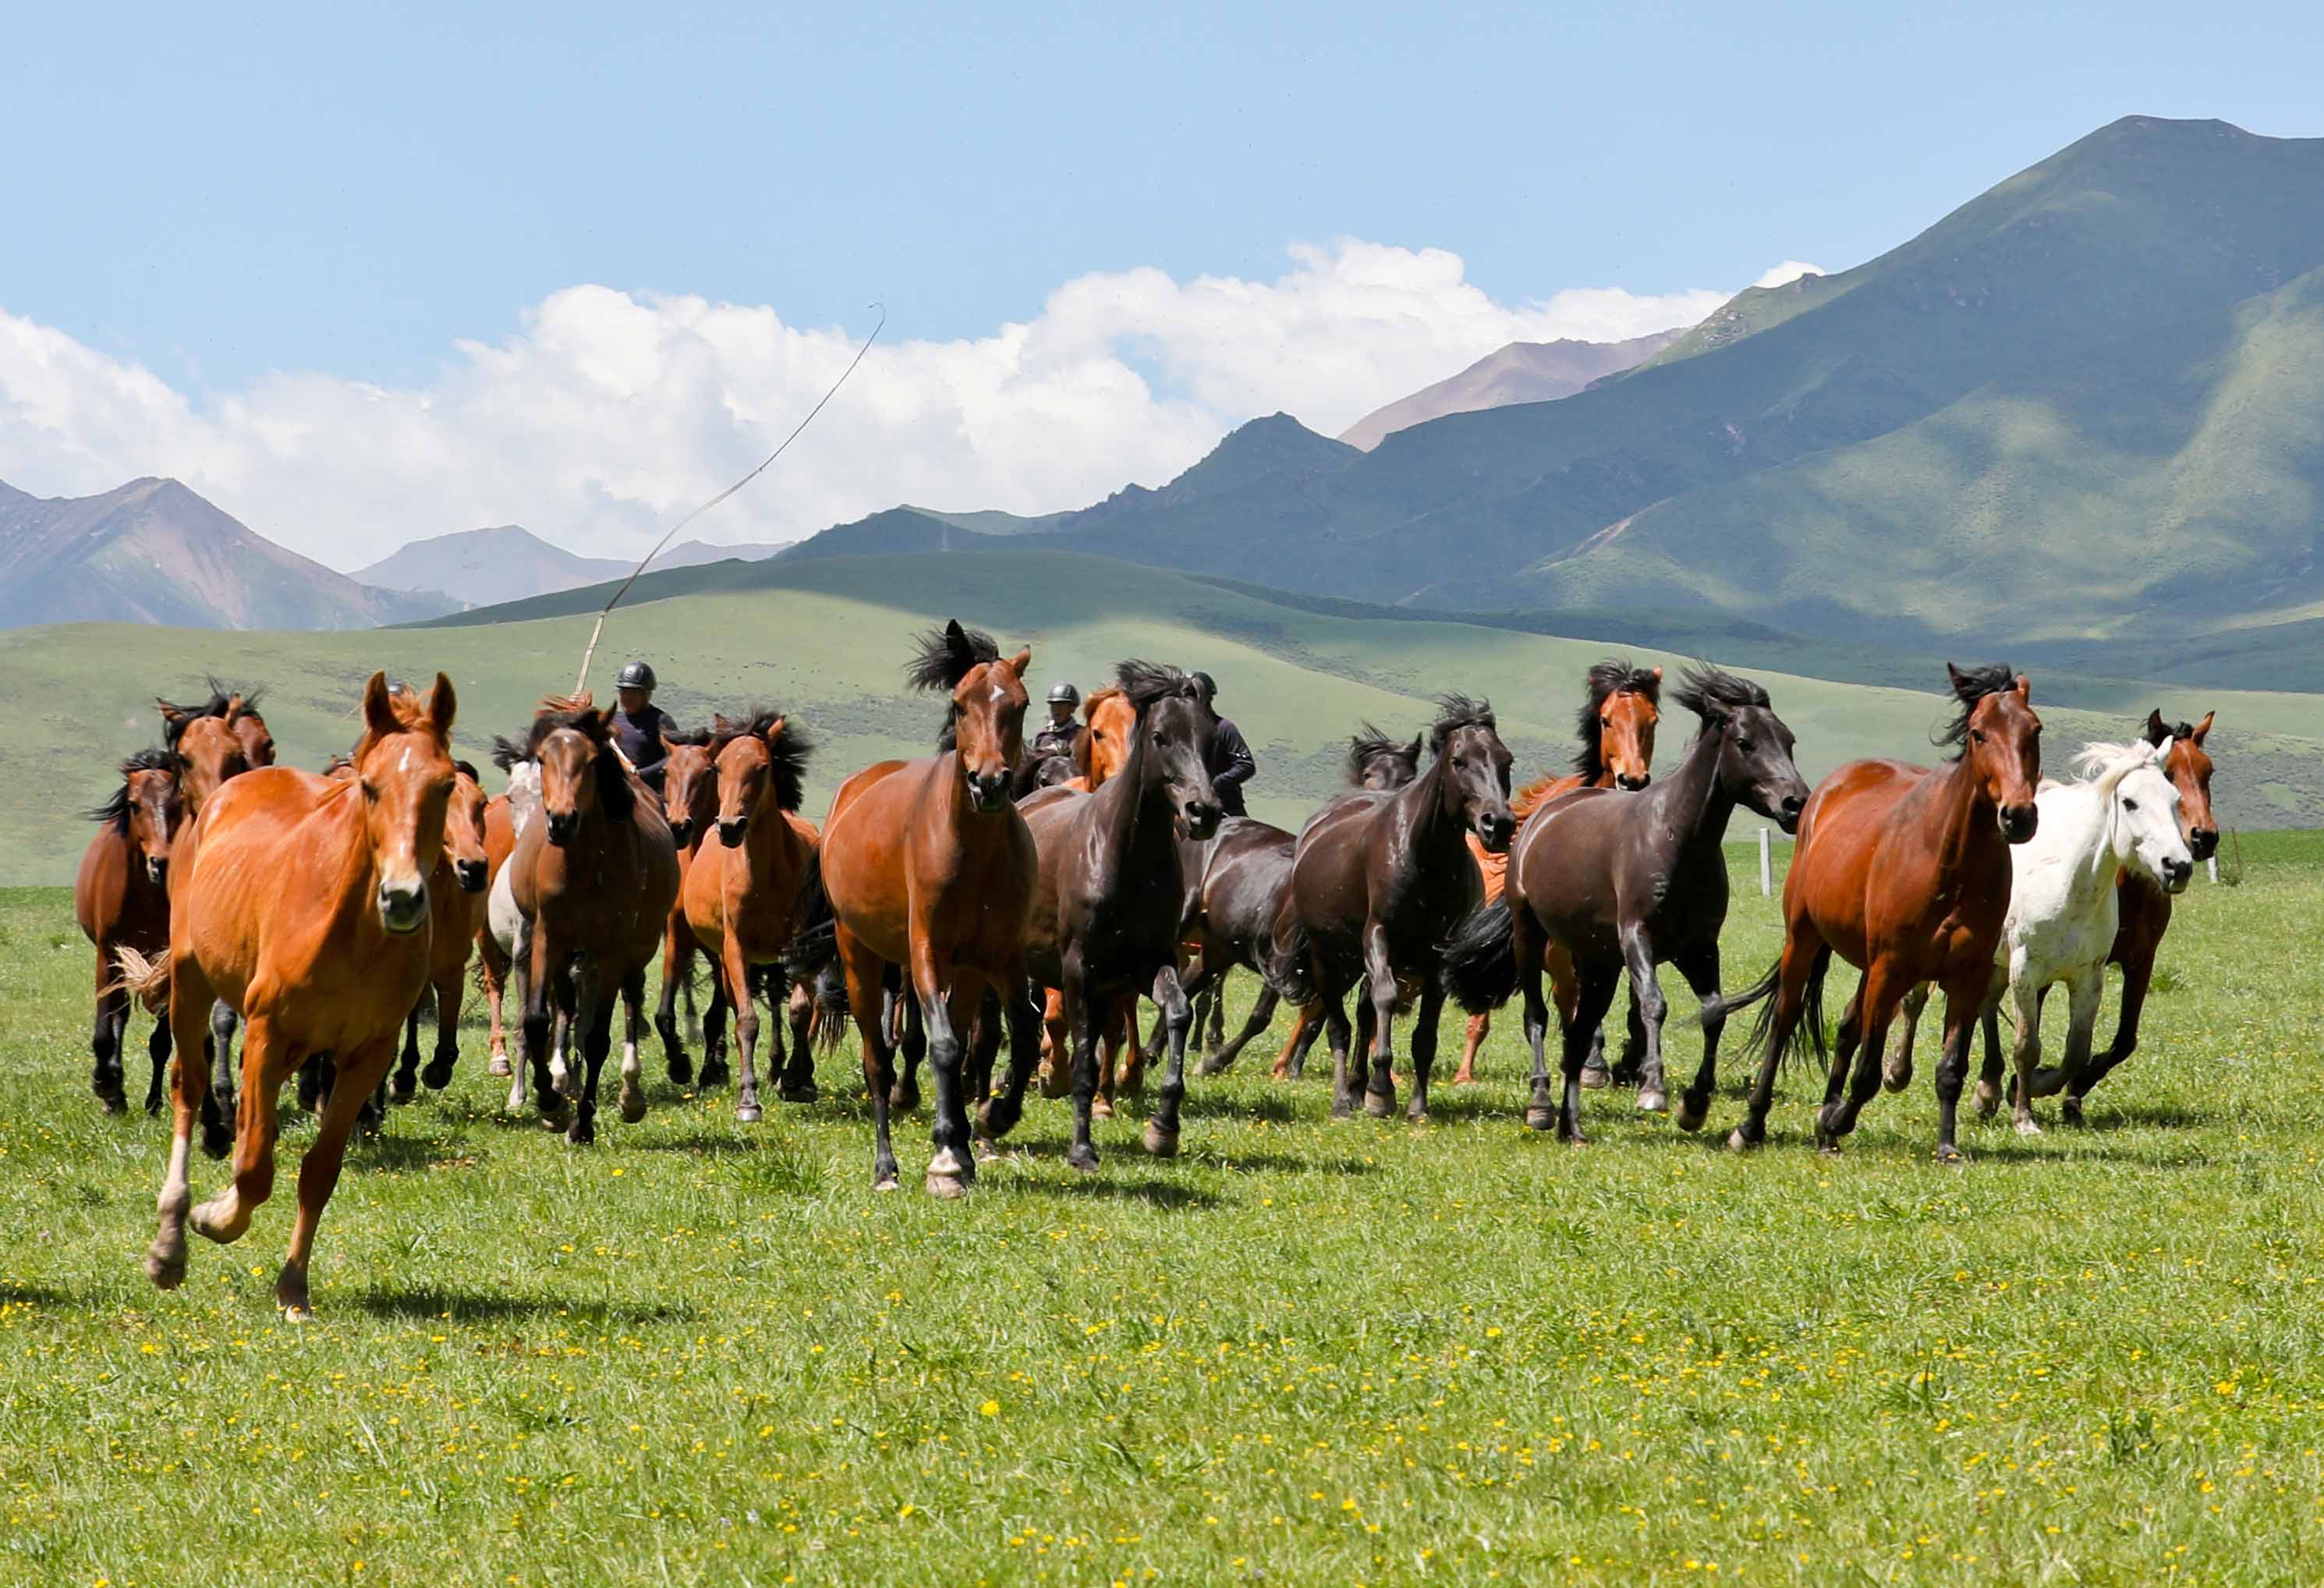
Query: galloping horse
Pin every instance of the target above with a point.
(1379, 882)
(1621, 705)
(1605, 880)
(1105, 859)
(121, 898)
(596, 874)
(305, 904)
(456, 898)
(689, 799)
(740, 897)
(1904, 872)
(926, 864)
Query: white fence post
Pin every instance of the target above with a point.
(1766, 862)
(2212, 865)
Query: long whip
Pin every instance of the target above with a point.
(598, 632)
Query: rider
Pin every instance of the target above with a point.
(1057, 734)
(1232, 762)
(639, 724)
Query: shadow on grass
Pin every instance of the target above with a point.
(1098, 1187)
(48, 1296)
(1275, 1107)
(1278, 1163)
(392, 1153)
(470, 1306)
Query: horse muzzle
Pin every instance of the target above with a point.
(682, 833)
(562, 826)
(403, 907)
(1633, 781)
(2177, 874)
(730, 833)
(2203, 843)
(1494, 828)
(988, 792)
(1201, 818)
(1787, 814)
(2018, 821)
(157, 869)
(471, 874)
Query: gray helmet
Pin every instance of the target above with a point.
(635, 675)
(1064, 693)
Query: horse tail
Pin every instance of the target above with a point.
(1285, 960)
(831, 1010)
(1809, 1023)
(1480, 961)
(812, 956)
(147, 980)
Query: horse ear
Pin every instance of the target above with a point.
(2024, 687)
(1413, 754)
(379, 706)
(1953, 676)
(2156, 729)
(235, 710)
(774, 730)
(1658, 675)
(169, 714)
(2201, 728)
(441, 704)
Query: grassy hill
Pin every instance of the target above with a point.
(826, 639)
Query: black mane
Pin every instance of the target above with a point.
(1372, 745)
(1969, 685)
(1711, 693)
(114, 812)
(174, 717)
(943, 657)
(616, 796)
(1148, 682)
(1455, 712)
(2157, 730)
(695, 736)
(1616, 675)
(788, 754)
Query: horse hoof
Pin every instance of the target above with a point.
(1540, 1117)
(298, 1312)
(1895, 1075)
(1159, 1142)
(1737, 1142)
(498, 1063)
(1100, 1108)
(437, 1075)
(2049, 1082)
(556, 1116)
(1989, 1099)
(582, 1133)
(1827, 1143)
(1596, 1077)
(2070, 1111)
(1213, 1066)
(681, 1071)
(748, 1114)
(402, 1089)
(884, 1183)
(1379, 1104)
(1950, 1155)
(1084, 1159)
(112, 1101)
(1575, 1139)
(951, 1187)
(1463, 1078)
(216, 1140)
(712, 1077)
(904, 1099)
(166, 1268)
(799, 1093)
(2026, 1127)
(1691, 1113)
(1415, 1115)
(633, 1104)
(1653, 1100)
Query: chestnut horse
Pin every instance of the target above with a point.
(456, 898)
(1379, 882)
(1621, 705)
(492, 961)
(689, 801)
(305, 904)
(596, 874)
(926, 865)
(1904, 872)
(121, 896)
(740, 896)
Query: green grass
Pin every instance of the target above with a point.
(1304, 1352)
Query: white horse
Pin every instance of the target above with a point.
(511, 929)
(2064, 911)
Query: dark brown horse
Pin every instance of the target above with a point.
(1378, 884)
(596, 874)
(1609, 881)
(1904, 872)
(926, 865)
(1106, 858)
(121, 896)
(456, 901)
(689, 799)
(304, 903)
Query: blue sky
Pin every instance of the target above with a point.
(217, 195)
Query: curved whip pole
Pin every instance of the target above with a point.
(582, 678)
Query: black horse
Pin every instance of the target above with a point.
(1106, 858)
(1623, 880)
(1379, 880)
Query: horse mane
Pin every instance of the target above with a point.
(1711, 693)
(1971, 685)
(942, 657)
(1147, 683)
(788, 754)
(2096, 758)
(467, 769)
(1364, 748)
(1455, 712)
(698, 737)
(114, 812)
(578, 713)
(174, 717)
(1616, 675)
(1528, 799)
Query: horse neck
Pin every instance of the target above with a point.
(769, 836)
(1423, 802)
(1967, 824)
(356, 879)
(1137, 817)
(1698, 803)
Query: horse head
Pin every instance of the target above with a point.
(1102, 749)
(1177, 729)
(572, 743)
(2000, 737)
(2141, 810)
(2189, 768)
(1472, 768)
(1754, 746)
(403, 768)
(250, 731)
(1378, 763)
(208, 750)
(146, 809)
(690, 784)
(985, 726)
(1616, 725)
(762, 765)
(464, 829)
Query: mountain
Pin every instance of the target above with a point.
(152, 551)
(1522, 372)
(481, 567)
(696, 553)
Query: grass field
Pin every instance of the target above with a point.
(1304, 1352)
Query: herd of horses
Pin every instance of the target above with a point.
(974, 897)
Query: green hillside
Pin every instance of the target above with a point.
(826, 638)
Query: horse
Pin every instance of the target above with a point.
(1904, 871)
(1105, 859)
(456, 897)
(740, 897)
(690, 797)
(928, 865)
(1378, 881)
(595, 874)
(1621, 705)
(304, 904)
(121, 898)
(494, 953)
(1605, 880)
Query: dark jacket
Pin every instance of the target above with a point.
(1232, 766)
(639, 738)
(1056, 738)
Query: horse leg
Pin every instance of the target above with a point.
(1843, 1051)
(797, 1085)
(2084, 995)
(1379, 1092)
(948, 1002)
(594, 1019)
(112, 1021)
(1218, 1005)
(1625, 1072)
(1897, 1072)
(633, 1022)
(1595, 985)
(983, 1048)
(1874, 1008)
(1700, 966)
(449, 988)
(864, 975)
(540, 1035)
(746, 1027)
(1423, 1049)
(676, 972)
(2137, 978)
(713, 1029)
(189, 1016)
(520, 1070)
(1083, 1020)
(1988, 1081)
(1057, 1047)
(1647, 1010)
(319, 1175)
(403, 1079)
(1804, 951)
(219, 1108)
(1965, 997)
(1481, 1026)
(915, 1045)
(1527, 944)
(1306, 1026)
(494, 976)
(1335, 1034)
(1133, 1067)
(999, 1115)
(266, 1061)
(157, 1047)
(1177, 1015)
(1261, 1013)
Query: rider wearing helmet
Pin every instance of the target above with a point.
(1232, 762)
(639, 724)
(1057, 735)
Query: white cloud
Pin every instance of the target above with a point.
(607, 415)
(1790, 271)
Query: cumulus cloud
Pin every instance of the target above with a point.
(1790, 271)
(608, 413)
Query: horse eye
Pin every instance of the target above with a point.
(1977, 735)
(370, 793)
(2130, 805)
(1744, 745)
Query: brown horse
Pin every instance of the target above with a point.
(304, 904)
(926, 865)
(1904, 872)
(689, 799)
(492, 961)
(121, 896)
(740, 895)
(1620, 708)
(596, 874)
(456, 897)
